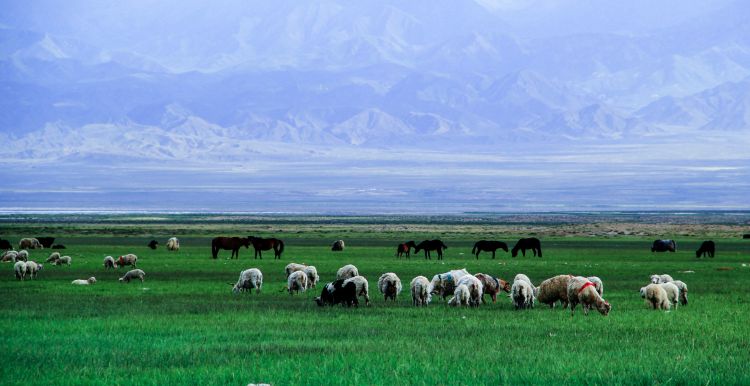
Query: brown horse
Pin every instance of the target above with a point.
(405, 248)
(228, 243)
(431, 245)
(260, 244)
(488, 246)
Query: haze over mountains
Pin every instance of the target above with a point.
(332, 97)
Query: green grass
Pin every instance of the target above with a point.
(184, 326)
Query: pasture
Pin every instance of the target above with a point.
(184, 326)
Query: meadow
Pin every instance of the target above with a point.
(184, 326)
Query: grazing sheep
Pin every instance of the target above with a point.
(673, 293)
(553, 290)
(420, 291)
(133, 274)
(389, 285)
(296, 282)
(523, 277)
(312, 276)
(9, 256)
(129, 259)
(23, 255)
(153, 244)
(363, 287)
(109, 262)
(30, 243)
(445, 283)
(683, 291)
(475, 289)
(63, 260)
(492, 285)
(461, 296)
(173, 244)
(658, 279)
(597, 284)
(20, 269)
(58, 246)
(346, 272)
(338, 245)
(32, 268)
(293, 267)
(522, 294)
(581, 290)
(53, 257)
(656, 296)
(88, 281)
(249, 279)
(338, 293)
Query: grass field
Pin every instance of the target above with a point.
(184, 326)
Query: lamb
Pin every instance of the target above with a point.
(581, 290)
(109, 262)
(338, 245)
(173, 244)
(673, 293)
(296, 282)
(312, 276)
(553, 290)
(88, 281)
(32, 268)
(460, 296)
(492, 285)
(658, 279)
(133, 274)
(522, 294)
(362, 286)
(475, 289)
(597, 284)
(293, 267)
(63, 260)
(9, 256)
(683, 291)
(249, 279)
(389, 285)
(23, 255)
(129, 259)
(53, 257)
(445, 283)
(20, 269)
(656, 296)
(30, 243)
(420, 291)
(346, 272)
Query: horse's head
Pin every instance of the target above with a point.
(247, 241)
(504, 247)
(514, 252)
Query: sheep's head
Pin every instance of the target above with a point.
(604, 307)
(643, 292)
(319, 301)
(655, 279)
(684, 297)
(504, 285)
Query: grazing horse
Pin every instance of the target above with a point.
(228, 243)
(746, 236)
(663, 246)
(260, 244)
(431, 245)
(405, 248)
(153, 244)
(488, 246)
(707, 248)
(5, 244)
(532, 243)
(46, 241)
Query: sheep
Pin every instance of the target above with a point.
(249, 279)
(338, 293)
(88, 281)
(53, 257)
(346, 272)
(129, 259)
(460, 297)
(296, 282)
(109, 262)
(522, 294)
(338, 245)
(597, 284)
(293, 267)
(553, 290)
(445, 283)
(20, 269)
(658, 279)
(173, 244)
(475, 289)
(683, 291)
(673, 293)
(32, 268)
(23, 255)
(363, 287)
(492, 285)
(133, 274)
(420, 291)
(656, 296)
(581, 290)
(63, 260)
(523, 277)
(389, 285)
(30, 243)
(9, 256)
(312, 276)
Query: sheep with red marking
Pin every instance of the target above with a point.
(583, 291)
(129, 259)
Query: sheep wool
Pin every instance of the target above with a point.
(553, 290)
(683, 291)
(522, 294)
(297, 282)
(362, 287)
(249, 279)
(460, 296)
(583, 291)
(312, 276)
(133, 274)
(346, 272)
(420, 291)
(293, 267)
(655, 296)
(389, 285)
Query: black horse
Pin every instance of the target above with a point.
(228, 243)
(664, 246)
(707, 248)
(431, 245)
(405, 248)
(5, 244)
(58, 246)
(746, 236)
(153, 244)
(532, 243)
(488, 246)
(260, 244)
(46, 241)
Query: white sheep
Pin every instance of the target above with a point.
(673, 293)
(583, 291)
(312, 276)
(389, 285)
(173, 244)
(133, 274)
(475, 289)
(420, 291)
(683, 291)
(63, 260)
(522, 294)
(53, 257)
(297, 282)
(293, 267)
(32, 268)
(658, 279)
(23, 255)
(9, 256)
(20, 269)
(346, 272)
(363, 287)
(553, 290)
(523, 277)
(109, 262)
(445, 283)
(656, 296)
(249, 279)
(598, 284)
(88, 281)
(461, 296)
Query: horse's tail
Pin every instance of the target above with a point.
(281, 248)
(474, 250)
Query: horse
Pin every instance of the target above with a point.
(405, 248)
(260, 244)
(46, 241)
(663, 246)
(228, 243)
(488, 246)
(707, 248)
(523, 244)
(431, 245)
(5, 244)
(153, 244)
(746, 236)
